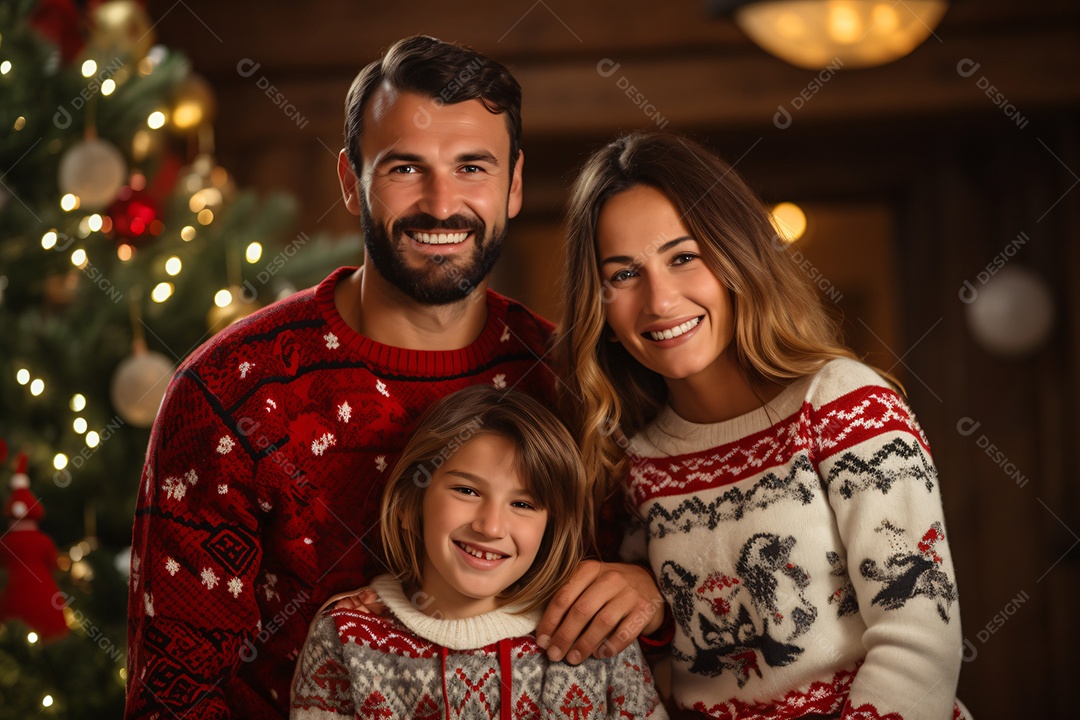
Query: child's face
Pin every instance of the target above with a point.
(482, 529)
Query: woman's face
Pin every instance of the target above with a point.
(663, 303)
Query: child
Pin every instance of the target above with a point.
(787, 500)
(482, 522)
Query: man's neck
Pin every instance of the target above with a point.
(378, 310)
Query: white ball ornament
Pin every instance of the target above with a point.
(94, 170)
(1012, 314)
(138, 386)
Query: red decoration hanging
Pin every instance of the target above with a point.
(135, 217)
(60, 22)
(29, 556)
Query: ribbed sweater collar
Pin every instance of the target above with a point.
(464, 634)
(392, 360)
(673, 435)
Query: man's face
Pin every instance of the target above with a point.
(435, 193)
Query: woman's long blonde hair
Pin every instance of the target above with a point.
(782, 330)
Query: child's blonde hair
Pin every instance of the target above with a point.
(547, 458)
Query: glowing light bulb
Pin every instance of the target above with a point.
(92, 439)
(23, 376)
(254, 252)
(78, 258)
(69, 202)
(222, 298)
(78, 402)
(48, 240)
(156, 120)
(37, 387)
(79, 424)
(32, 638)
(108, 87)
(789, 221)
(89, 67)
(60, 461)
(173, 265)
(162, 292)
(187, 234)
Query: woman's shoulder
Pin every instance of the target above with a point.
(842, 376)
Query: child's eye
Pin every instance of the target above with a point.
(523, 505)
(465, 491)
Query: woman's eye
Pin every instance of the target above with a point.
(622, 276)
(683, 258)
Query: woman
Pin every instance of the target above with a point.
(784, 495)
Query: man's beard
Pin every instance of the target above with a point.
(444, 279)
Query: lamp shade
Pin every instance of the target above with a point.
(839, 33)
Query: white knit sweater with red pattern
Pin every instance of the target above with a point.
(802, 550)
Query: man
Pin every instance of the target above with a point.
(259, 497)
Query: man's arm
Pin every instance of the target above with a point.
(601, 610)
(195, 553)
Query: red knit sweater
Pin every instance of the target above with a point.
(259, 498)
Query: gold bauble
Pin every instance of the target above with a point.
(120, 30)
(193, 103)
(205, 183)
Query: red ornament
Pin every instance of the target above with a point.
(30, 558)
(60, 22)
(134, 214)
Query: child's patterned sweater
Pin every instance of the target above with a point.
(412, 665)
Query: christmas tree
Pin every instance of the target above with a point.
(123, 246)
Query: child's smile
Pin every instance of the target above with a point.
(481, 528)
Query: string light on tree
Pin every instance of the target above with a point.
(162, 292)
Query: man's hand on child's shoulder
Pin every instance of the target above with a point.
(600, 611)
(364, 600)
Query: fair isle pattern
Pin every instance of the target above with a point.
(841, 424)
(823, 698)
(802, 551)
(363, 666)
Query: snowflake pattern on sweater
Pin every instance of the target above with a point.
(260, 492)
(802, 549)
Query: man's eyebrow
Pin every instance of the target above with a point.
(477, 156)
(392, 157)
(626, 260)
(467, 157)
